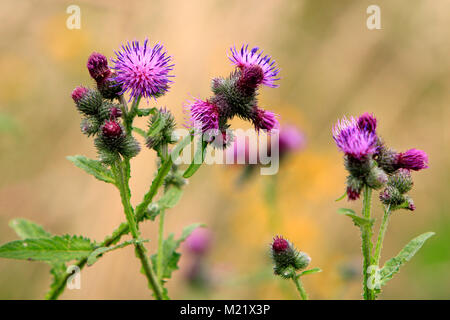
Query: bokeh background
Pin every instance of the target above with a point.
(331, 65)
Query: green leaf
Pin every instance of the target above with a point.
(310, 271)
(157, 125)
(140, 132)
(199, 157)
(357, 220)
(93, 167)
(170, 256)
(54, 249)
(392, 266)
(170, 198)
(93, 257)
(341, 197)
(26, 229)
(145, 112)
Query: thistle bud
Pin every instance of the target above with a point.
(115, 112)
(354, 187)
(112, 140)
(401, 180)
(287, 259)
(89, 126)
(78, 93)
(97, 65)
(161, 126)
(386, 159)
(111, 129)
(88, 101)
(358, 167)
(390, 196)
(376, 178)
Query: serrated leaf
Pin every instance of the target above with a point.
(310, 271)
(99, 251)
(58, 272)
(170, 256)
(54, 249)
(157, 125)
(26, 229)
(93, 167)
(140, 132)
(357, 220)
(392, 266)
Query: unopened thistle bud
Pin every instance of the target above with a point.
(89, 126)
(112, 129)
(401, 180)
(354, 187)
(287, 259)
(112, 140)
(109, 88)
(115, 112)
(376, 178)
(97, 65)
(386, 159)
(390, 196)
(88, 101)
(161, 126)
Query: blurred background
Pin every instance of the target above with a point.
(331, 65)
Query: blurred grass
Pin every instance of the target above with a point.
(331, 65)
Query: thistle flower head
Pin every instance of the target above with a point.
(143, 70)
(353, 194)
(115, 112)
(97, 65)
(367, 122)
(78, 93)
(199, 241)
(203, 115)
(412, 159)
(401, 180)
(352, 140)
(250, 78)
(246, 58)
(264, 120)
(290, 139)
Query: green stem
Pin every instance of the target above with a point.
(381, 233)
(366, 235)
(124, 228)
(160, 254)
(140, 249)
(300, 289)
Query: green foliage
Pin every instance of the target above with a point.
(144, 112)
(199, 157)
(357, 220)
(54, 249)
(167, 201)
(26, 229)
(310, 271)
(93, 167)
(392, 266)
(170, 256)
(93, 257)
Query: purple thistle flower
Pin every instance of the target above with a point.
(290, 139)
(199, 241)
(412, 159)
(280, 244)
(203, 115)
(245, 58)
(98, 66)
(264, 120)
(352, 140)
(111, 129)
(143, 70)
(367, 122)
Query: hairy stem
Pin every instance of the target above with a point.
(140, 248)
(300, 289)
(366, 235)
(381, 233)
(160, 254)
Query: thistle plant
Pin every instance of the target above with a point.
(372, 165)
(143, 72)
(288, 261)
